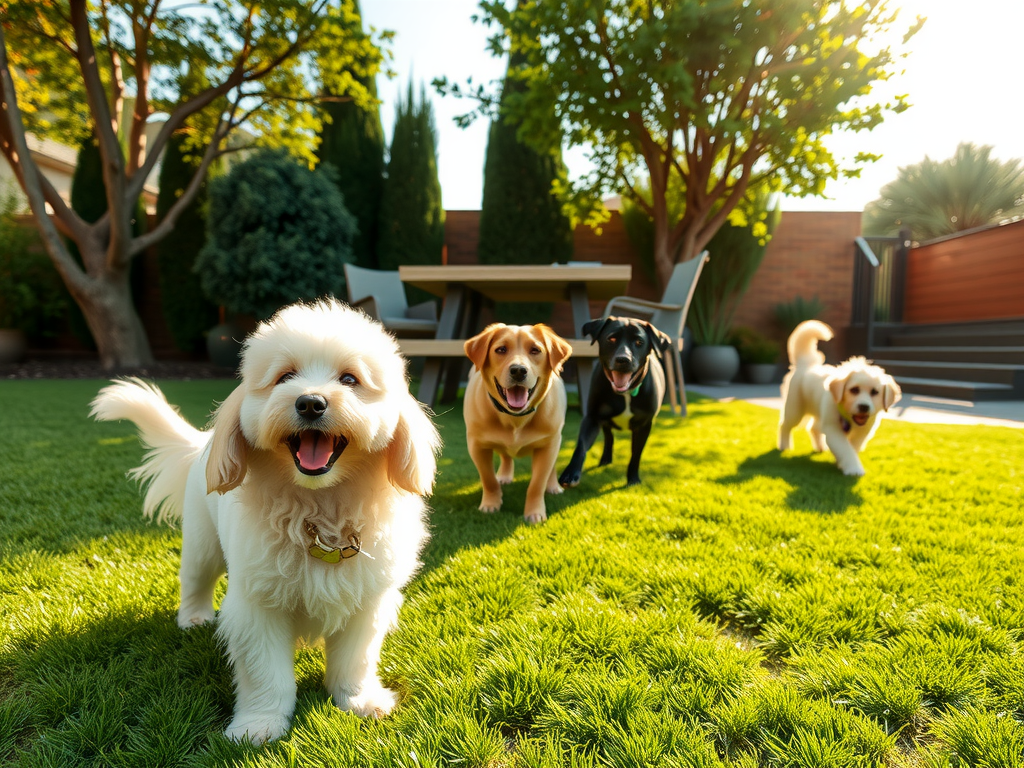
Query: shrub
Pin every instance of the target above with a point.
(277, 233)
(31, 292)
(754, 347)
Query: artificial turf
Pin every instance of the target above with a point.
(739, 608)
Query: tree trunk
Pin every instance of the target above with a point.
(115, 325)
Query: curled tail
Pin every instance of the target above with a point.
(803, 343)
(173, 444)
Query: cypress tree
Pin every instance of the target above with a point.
(521, 220)
(353, 142)
(186, 309)
(411, 214)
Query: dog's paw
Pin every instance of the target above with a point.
(569, 478)
(504, 478)
(490, 502)
(195, 618)
(632, 481)
(257, 728)
(373, 701)
(535, 516)
(554, 489)
(854, 470)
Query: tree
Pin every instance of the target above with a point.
(277, 233)
(935, 198)
(411, 214)
(352, 140)
(521, 218)
(68, 67)
(724, 95)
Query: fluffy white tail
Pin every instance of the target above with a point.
(803, 343)
(173, 444)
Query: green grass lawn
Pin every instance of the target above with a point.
(739, 608)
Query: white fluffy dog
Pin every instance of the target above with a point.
(842, 402)
(307, 489)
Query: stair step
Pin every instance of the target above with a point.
(975, 391)
(993, 373)
(958, 354)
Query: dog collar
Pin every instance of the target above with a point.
(844, 421)
(331, 554)
(506, 411)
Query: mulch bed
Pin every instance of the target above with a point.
(69, 368)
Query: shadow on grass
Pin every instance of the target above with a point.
(816, 486)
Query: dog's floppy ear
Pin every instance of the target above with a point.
(558, 348)
(477, 347)
(837, 385)
(662, 342)
(412, 453)
(229, 452)
(593, 328)
(891, 393)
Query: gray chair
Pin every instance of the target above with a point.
(669, 317)
(381, 295)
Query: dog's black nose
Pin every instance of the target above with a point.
(623, 362)
(311, 407)
(863, 408)
(517, 372)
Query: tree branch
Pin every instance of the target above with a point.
(17, 151)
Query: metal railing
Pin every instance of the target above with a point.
(879, 281)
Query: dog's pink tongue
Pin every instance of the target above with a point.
(620, 380)
(517, 397)
(315, 449)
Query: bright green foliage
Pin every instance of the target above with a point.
(411, 227)
(352, 141)
(186, 309)
(936, 198)
(277, 232)
(724, 95)
(740, 609)
(521, 219)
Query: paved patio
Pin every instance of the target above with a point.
(914, 408)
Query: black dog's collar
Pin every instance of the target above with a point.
(505, 411)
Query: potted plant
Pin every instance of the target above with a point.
(735, 252)
(31, 293)
(789, 314)
(277, 233)
(759, 355)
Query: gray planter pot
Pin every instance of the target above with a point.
(715, 365)
(224, 345)
(13, 345)
(760, 373)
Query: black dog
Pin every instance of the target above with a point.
(626, 391)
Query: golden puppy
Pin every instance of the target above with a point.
(515, 406)
(842, 402)
(307, 491)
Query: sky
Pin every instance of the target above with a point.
(963, 76)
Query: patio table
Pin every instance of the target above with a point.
(466, 288)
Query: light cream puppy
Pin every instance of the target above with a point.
(307, 490)
(840, 403)
(515, 406)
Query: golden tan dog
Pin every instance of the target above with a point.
(515, 406)
(841, 402)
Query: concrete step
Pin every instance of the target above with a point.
(949, 354)
(973, 391)
(992, 373)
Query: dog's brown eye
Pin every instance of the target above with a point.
(348, 380)
(874, 392)
(535, 351)
(639, 342)
(286, 377)
(613, 339)
(500, 350)
(854, 390)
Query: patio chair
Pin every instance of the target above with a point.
(381, 295)
(669, 317)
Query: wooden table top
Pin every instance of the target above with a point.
(542, 282)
